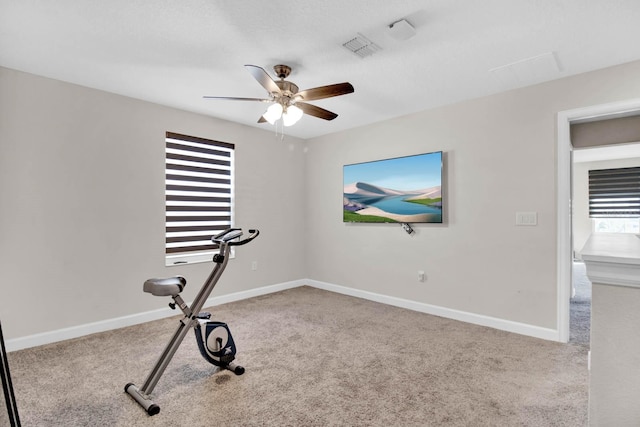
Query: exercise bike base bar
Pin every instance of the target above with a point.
(153, 408)
(146, 403)
(235, 368)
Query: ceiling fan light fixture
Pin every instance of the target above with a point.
(273, 113)
(291, 115)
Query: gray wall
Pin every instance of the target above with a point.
(82, 204)
(501, 159)
(603, 132)
(614, 388)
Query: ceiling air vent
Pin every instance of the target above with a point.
(361, 46)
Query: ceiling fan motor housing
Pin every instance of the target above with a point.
(288, 90)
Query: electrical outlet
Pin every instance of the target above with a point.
(254, 265)
(420, 276)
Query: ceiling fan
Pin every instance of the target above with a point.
(287, 101)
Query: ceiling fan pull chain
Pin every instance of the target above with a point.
(281, 132)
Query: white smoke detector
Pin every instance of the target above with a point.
(401, 30)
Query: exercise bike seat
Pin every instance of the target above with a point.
(170, 286)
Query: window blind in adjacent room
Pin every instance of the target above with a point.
(614, 193)
(198, 193)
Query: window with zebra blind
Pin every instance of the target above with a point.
(198, 196)
(614, 193)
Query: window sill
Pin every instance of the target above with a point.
(186, 259)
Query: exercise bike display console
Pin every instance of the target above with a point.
(214, 338)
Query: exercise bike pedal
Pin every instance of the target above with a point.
(204, 315)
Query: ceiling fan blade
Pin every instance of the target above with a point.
(312, 110)
(231, 98)
(263, 78)
(325, 91)
(262, 120)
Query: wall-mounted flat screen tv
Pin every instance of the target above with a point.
(403, 189)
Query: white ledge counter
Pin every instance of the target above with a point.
(614, 248)
(613, 266)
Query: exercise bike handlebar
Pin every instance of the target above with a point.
(252, 235)
(228, 235)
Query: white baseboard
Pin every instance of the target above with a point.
(134, 319)
(476, 319)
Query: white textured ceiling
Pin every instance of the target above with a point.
(174, 52)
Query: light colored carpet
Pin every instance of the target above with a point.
(313, 358)
(580, 307)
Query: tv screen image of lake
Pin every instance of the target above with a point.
(360, 195)
(398, 205)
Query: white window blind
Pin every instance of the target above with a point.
(614, 193)
(198, 194)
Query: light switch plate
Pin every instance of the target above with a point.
(526, 218)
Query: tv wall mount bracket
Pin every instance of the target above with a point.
(406, 227)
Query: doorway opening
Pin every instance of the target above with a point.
(612, 156)
(565, 236)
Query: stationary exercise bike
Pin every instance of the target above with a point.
(214, 338)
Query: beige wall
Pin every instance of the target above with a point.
(81, 199)
(82, 204)
(500, 157)
(614, 388)
(603, 132)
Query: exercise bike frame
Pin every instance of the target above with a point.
(225, 240)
